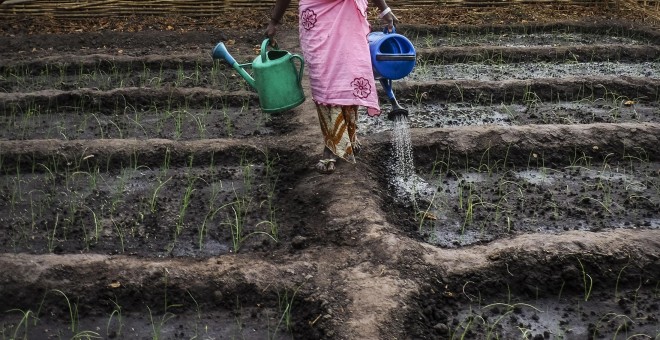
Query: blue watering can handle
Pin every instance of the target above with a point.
(264, 47)
(393, 30)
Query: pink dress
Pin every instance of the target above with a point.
(333, 38)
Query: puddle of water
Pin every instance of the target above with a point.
(535, 177)
(439, 115)
(549, 177)
(632, 184)
(453, 238)
(453, 186)
(408, 189)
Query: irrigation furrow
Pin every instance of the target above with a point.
(114, 63)
(118, 153)
(600, 139)
(521, 91)
(557, 29)
(559, 142)
(72, 64)
(123, 100)
(546, 276)
(457, 90)
(218, 291)
(508, 54)
(519, 262)
(604, 252)
(100, 271)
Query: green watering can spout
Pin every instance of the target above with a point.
(275, 76)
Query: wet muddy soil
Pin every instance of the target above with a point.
(143, 193)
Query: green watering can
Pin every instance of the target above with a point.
(276, 78)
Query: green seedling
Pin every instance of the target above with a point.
(587, 282)
(185, 202)
(426, 213)
(157, 325)
(138, 126)
(24, 322)
(212, 211)
(119, 130)
(271, 183)
(145, 76)
(286, 306)
(197, 73)
(178, 117)
(198, 317)
(119, 190)
(154, 195)
(120, 233)
(419, 96)
(180, 76)
(51, 235)
(87, 335)
(34, 215)
(73, 311)
(531, 99)
(470, 320)
(609, 318)
(509, 308)
(228, 123)
(423, 68)
(97, 226)
(100, 125)
(236, 223)
(200, 122)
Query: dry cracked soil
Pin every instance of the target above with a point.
(144, 194)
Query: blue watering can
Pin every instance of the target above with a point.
(392, 57)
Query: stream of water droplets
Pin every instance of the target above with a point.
(407, 183)
(404, 166)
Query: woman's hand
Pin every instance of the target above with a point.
(271, 29)
(270, 34)
(276, 16)
(388, 19)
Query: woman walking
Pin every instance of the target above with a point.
(333, 38)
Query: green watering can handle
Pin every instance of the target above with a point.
(264, 47)
(302, 66)
(264, 56)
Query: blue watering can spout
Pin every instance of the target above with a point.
(220, 52)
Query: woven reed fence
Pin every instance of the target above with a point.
(206, 8)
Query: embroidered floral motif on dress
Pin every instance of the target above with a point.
(308, 19)
(361, 87)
